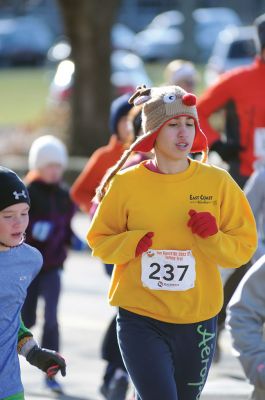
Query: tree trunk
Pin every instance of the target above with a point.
(88, 24)
(189, 48)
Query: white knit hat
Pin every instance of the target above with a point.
(47, 150)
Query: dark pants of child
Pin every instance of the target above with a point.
(47, 285)
(110, 348)
(111, 352)
(166, 361)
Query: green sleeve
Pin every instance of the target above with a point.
(23, 331)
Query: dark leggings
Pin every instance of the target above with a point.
(166, 361)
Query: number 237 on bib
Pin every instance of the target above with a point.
(168, 270)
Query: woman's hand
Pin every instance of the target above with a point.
(202, 224)
(144, 244)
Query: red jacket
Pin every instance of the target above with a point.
(84, 188)
(245, 88)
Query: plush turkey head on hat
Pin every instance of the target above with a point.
(160, 104)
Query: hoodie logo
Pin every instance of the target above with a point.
(202, 199)
(21, 194)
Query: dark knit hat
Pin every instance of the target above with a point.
(13, 190)
(160, 104)
(119, 108)
(135, 119)
(260, 25)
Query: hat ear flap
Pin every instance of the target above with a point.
(141, 99)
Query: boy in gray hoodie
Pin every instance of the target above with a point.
(245, 320)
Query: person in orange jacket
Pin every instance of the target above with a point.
(241, 93)
(84, 188)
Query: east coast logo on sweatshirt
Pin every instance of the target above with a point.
(200, 198)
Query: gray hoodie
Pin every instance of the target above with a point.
(245, 320)
(255, 192)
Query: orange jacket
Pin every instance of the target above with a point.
(245, 88)
(84, 188)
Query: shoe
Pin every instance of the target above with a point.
(118, 388)
(53, 385)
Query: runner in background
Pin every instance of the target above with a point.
(181, 73)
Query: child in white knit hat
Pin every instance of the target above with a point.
(167, 224)
(50, 232)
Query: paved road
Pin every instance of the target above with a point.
(84, 314)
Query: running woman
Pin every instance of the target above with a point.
(167, 224)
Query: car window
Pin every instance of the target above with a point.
(242, 48)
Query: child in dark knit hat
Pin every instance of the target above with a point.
(168, 224)
(19, 264)
(115, 380)
(83, 193)
(50, 232)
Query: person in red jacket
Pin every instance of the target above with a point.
(241, 93)
(84, 188)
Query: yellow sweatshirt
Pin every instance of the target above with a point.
(139, 201)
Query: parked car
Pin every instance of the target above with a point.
(234, 46)
(24, 40)
(128, 71)
(208, 22)
(122, 37)
(59, 51)
(163, 37)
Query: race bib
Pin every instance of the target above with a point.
(168, 270)
(259, 142)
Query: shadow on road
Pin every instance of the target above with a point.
(58, 396)
(232, 376)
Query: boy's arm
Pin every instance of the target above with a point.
(255, 192)
(245, 319)
(48, 361)
(23, 331)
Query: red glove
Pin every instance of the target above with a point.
(144, 244)
(202, 223)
